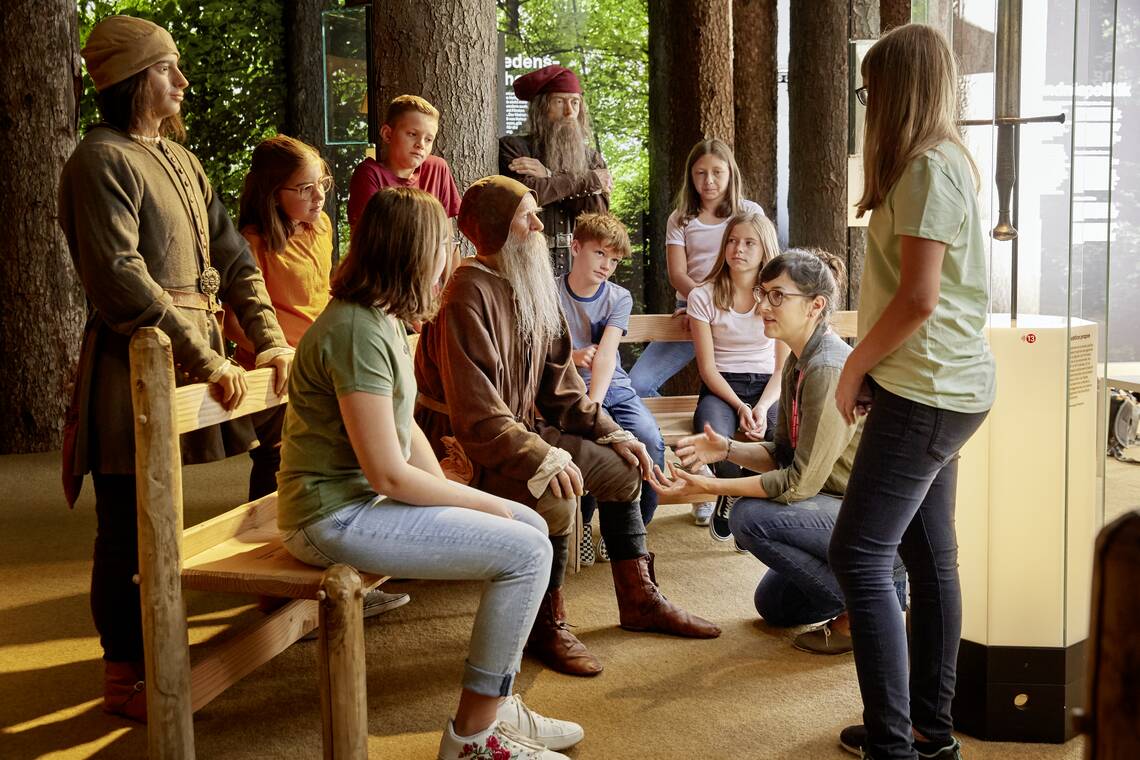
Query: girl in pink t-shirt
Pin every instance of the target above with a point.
(739, 365)
(712, 194)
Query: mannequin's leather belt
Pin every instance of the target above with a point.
(190, 300)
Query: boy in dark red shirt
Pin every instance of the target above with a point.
(408, 136)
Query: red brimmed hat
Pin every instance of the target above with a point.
(553, 78)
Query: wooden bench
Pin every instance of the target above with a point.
(674, 414)
(237, 552)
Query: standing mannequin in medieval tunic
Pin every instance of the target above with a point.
(497, 355)
(153, 246)
(552, 155)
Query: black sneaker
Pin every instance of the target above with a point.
(718, 525)
(853, 738)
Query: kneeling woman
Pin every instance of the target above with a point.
(359, 484)
(787, 520)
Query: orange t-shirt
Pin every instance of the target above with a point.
(297, 279)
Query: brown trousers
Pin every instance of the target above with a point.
(605, 474)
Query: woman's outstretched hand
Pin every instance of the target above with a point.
(708, 447)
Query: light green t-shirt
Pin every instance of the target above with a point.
(349, 348)
(946, 363)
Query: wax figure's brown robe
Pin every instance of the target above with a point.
(132, 214)
(471, 361)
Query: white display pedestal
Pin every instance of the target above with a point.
(1026, 521)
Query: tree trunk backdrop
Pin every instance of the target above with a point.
(305, 79)
(893, 13)
(690, 96)
(754, 66)
(864, 25)
(444, 52)
(42, 319)
(817, 126)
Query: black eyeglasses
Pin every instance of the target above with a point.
(775, 297)
(861, 94)
(306, 191)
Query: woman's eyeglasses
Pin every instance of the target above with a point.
(306, 191)
(775, 297)
(861, 94)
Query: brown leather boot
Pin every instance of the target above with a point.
(551, 641)
(124, 690)
(643, 608)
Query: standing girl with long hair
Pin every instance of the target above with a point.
(711, 194)
(359, 482)
(739, 365)
(923, 368)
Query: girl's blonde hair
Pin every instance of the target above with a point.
(721, 276)
(274, 162)
(391, 258)
(688, 203)
(911, 76)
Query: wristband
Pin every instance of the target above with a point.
(743, 406)
(727, 449)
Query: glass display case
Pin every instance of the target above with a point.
(1048, 100)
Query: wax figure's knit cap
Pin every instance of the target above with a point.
(553, 78)
(487, 209)
(121, 46)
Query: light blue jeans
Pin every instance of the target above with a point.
(658, 362)
(385, 537)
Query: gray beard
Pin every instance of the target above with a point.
(562, 147)
(525, 264)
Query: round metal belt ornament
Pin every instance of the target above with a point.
(210, 281)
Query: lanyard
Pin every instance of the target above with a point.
(795, 422)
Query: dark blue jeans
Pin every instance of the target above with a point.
(632, 414)
(791, 540)
(900, 498)
(714, 410)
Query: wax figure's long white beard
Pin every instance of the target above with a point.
(562, 146)
(526, 266)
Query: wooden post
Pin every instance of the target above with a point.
(344, 708)
(158, 469)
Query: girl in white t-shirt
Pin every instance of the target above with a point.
(739, 365)
(711, 195)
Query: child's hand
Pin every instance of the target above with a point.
(744, 417)
(584, 357)
(683, 313)
(759, 424)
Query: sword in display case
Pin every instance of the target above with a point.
(1008, 120)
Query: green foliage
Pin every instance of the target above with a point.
(233, 55)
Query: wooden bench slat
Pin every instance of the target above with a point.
(256, 563)
(247, 517)
(649, 327)
(196, 407)
(229, 662)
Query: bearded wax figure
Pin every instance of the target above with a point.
(153, 246)
(498, 352)
(552, 155)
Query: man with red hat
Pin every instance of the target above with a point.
(496, 357)
(552, 155)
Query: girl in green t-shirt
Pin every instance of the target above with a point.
(923, 370)
(359, 482)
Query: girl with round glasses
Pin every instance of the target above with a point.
(281, 215)
(784, 513)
